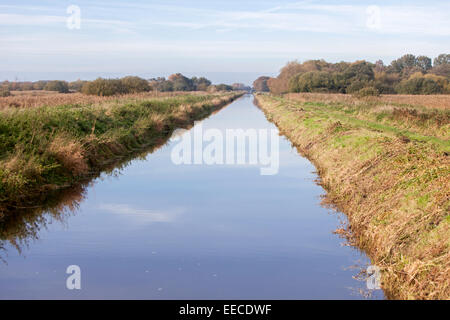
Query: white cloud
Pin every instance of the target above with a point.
(306, 16)
(142, 215)
(120, 35)
(337, 19)
(10, 19)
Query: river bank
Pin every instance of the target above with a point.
(186, 231)
(387, 168)
(50, 147)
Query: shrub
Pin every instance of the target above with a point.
(181, 83)
(420, 85)
(223, 87)
(313, 81)
(39, 85)
(367, 92)
(201, 84)
(355, 86)
(135, 84)
(5, 93)
(408, 74)
(104, 87)
(76, 85)
(260, 84)
(56, 85)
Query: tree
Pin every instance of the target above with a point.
(240, 86)
(104, 87)
(76, 85)
(181, 83)
(359, 71)
(4, 92)
(379, 66)
(57, 85)
(280, 84)
(135, 84)
(423, 63)
(419, 84)
(260, 84)
(313, 81)
(441, 65)
(39, 85)
(404, 62)
(223, 87)
(200, 84)
(161, 84)
(26, 86)
(442, 59)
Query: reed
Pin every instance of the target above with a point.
(47, 147)
(388, 174)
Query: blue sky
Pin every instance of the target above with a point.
(225, 40)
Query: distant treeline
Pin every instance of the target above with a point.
(406, 75)
(129, 84)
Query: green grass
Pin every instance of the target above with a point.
(389, 171)
(50, 147)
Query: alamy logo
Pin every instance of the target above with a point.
(74, 280)
(74, 20)
(373, 281)
(373, 17)
(238, 146)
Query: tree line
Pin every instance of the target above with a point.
(408, 74)
(125, 85)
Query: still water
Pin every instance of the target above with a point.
(156, 230)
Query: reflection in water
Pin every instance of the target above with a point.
(150, 229)
(21, 227)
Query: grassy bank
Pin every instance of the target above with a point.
(386, 165)
(49, 147)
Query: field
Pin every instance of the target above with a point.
(60, 139)
(385, 163)
(416, 101)
(31, 99)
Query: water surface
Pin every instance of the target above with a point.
(156, 230)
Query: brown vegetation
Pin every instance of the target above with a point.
(427, 101)
(49, 147)
(30, 99)
(407, 75)
(392, 182)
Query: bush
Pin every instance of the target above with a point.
(5, 93)
(76, 85)
(260, 84)
(56, 85)
(201, 84)
(367, 92)
(408, 74)
(39, 85)
(355, 86)
(104, 87)
(420, 85)
(313, 81)
(181, 83)
(223, 87)
(135, 84)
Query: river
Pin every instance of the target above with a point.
(153, 229)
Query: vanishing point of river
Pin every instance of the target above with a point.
(156, 230)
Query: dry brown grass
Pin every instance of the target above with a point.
(31, 99)
(395, 192)
(441, 101)
(425, 115)
(70, 153)
(52, 147)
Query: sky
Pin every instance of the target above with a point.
(227, 41)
